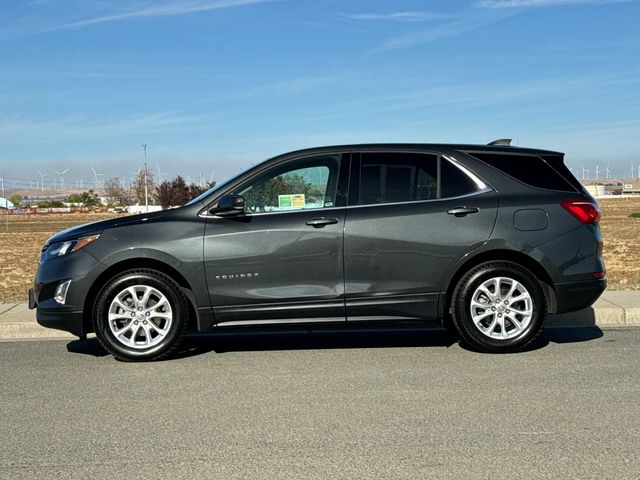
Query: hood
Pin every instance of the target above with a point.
(97, 227)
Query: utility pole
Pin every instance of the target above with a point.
(146, 192)
(6, 203)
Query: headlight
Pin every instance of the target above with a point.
(62, 248)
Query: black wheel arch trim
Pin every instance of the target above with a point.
(490, 253)
(201, 311)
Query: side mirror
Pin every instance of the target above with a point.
(229, 205)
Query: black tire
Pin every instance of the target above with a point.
(461, 308)
(163, 284)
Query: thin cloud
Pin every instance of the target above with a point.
(467, 97)
(150, 11)
(79, 127)
(292, 86)
(446, 30)
(409, 16)
(543, 3)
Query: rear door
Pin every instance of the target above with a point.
(411, 216)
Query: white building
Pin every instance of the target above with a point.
(5, 203)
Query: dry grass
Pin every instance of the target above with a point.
(621, 235)
(20, 246)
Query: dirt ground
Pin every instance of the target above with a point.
(21, 240)
(21, 243)
(621, 236)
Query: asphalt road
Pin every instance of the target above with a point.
(325, 405)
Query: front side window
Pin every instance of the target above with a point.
(303, 184)
(389, 177)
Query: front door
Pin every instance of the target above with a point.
(282, 260)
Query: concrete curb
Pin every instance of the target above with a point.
(614, 308)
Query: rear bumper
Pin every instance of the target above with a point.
(574, 296)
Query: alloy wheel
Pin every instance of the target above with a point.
(501, 308)
(140, 316)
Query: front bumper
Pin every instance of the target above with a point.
(58, 318)
(72, 322)
(83, 270)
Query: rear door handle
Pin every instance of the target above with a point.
(463, 211)
(321, 222)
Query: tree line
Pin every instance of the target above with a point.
(169, 193)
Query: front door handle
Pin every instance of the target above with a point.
(463, 211)
(321, 222)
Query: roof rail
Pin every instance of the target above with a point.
(505, 142)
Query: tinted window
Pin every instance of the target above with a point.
(529, 169)
(557, 163)
(303, 184)
(403, 177)
(454, 181)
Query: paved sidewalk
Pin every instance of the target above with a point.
(17, 322)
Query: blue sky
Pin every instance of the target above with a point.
(216, 85)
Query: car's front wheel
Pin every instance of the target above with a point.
(498, 307)
(140, 315)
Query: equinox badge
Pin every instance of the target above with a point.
(237, 275)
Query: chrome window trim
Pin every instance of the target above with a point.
(322, 209)
(348, 207)
(482, 188)
(418, 202)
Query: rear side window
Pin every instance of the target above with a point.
(557, 162)
(454, 181)
(389, 177)
(529, 169)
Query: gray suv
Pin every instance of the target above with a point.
(485, 238)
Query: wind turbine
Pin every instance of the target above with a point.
(160, 173)
(585, 172)
(597, 172)
(60, 176)
(42, 175)
(134, 176)
(607, 172)
(96, 177)
(146, 185)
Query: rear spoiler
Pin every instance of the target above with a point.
(505, 142)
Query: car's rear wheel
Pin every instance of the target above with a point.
(498, 307)
(140, 315)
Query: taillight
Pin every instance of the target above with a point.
(585, 211)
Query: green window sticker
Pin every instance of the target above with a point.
(290, 201)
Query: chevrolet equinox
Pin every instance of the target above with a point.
(488, 239)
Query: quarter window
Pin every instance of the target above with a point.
(304, 184)
(531, 170)
(390, 177)
(454, 182)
